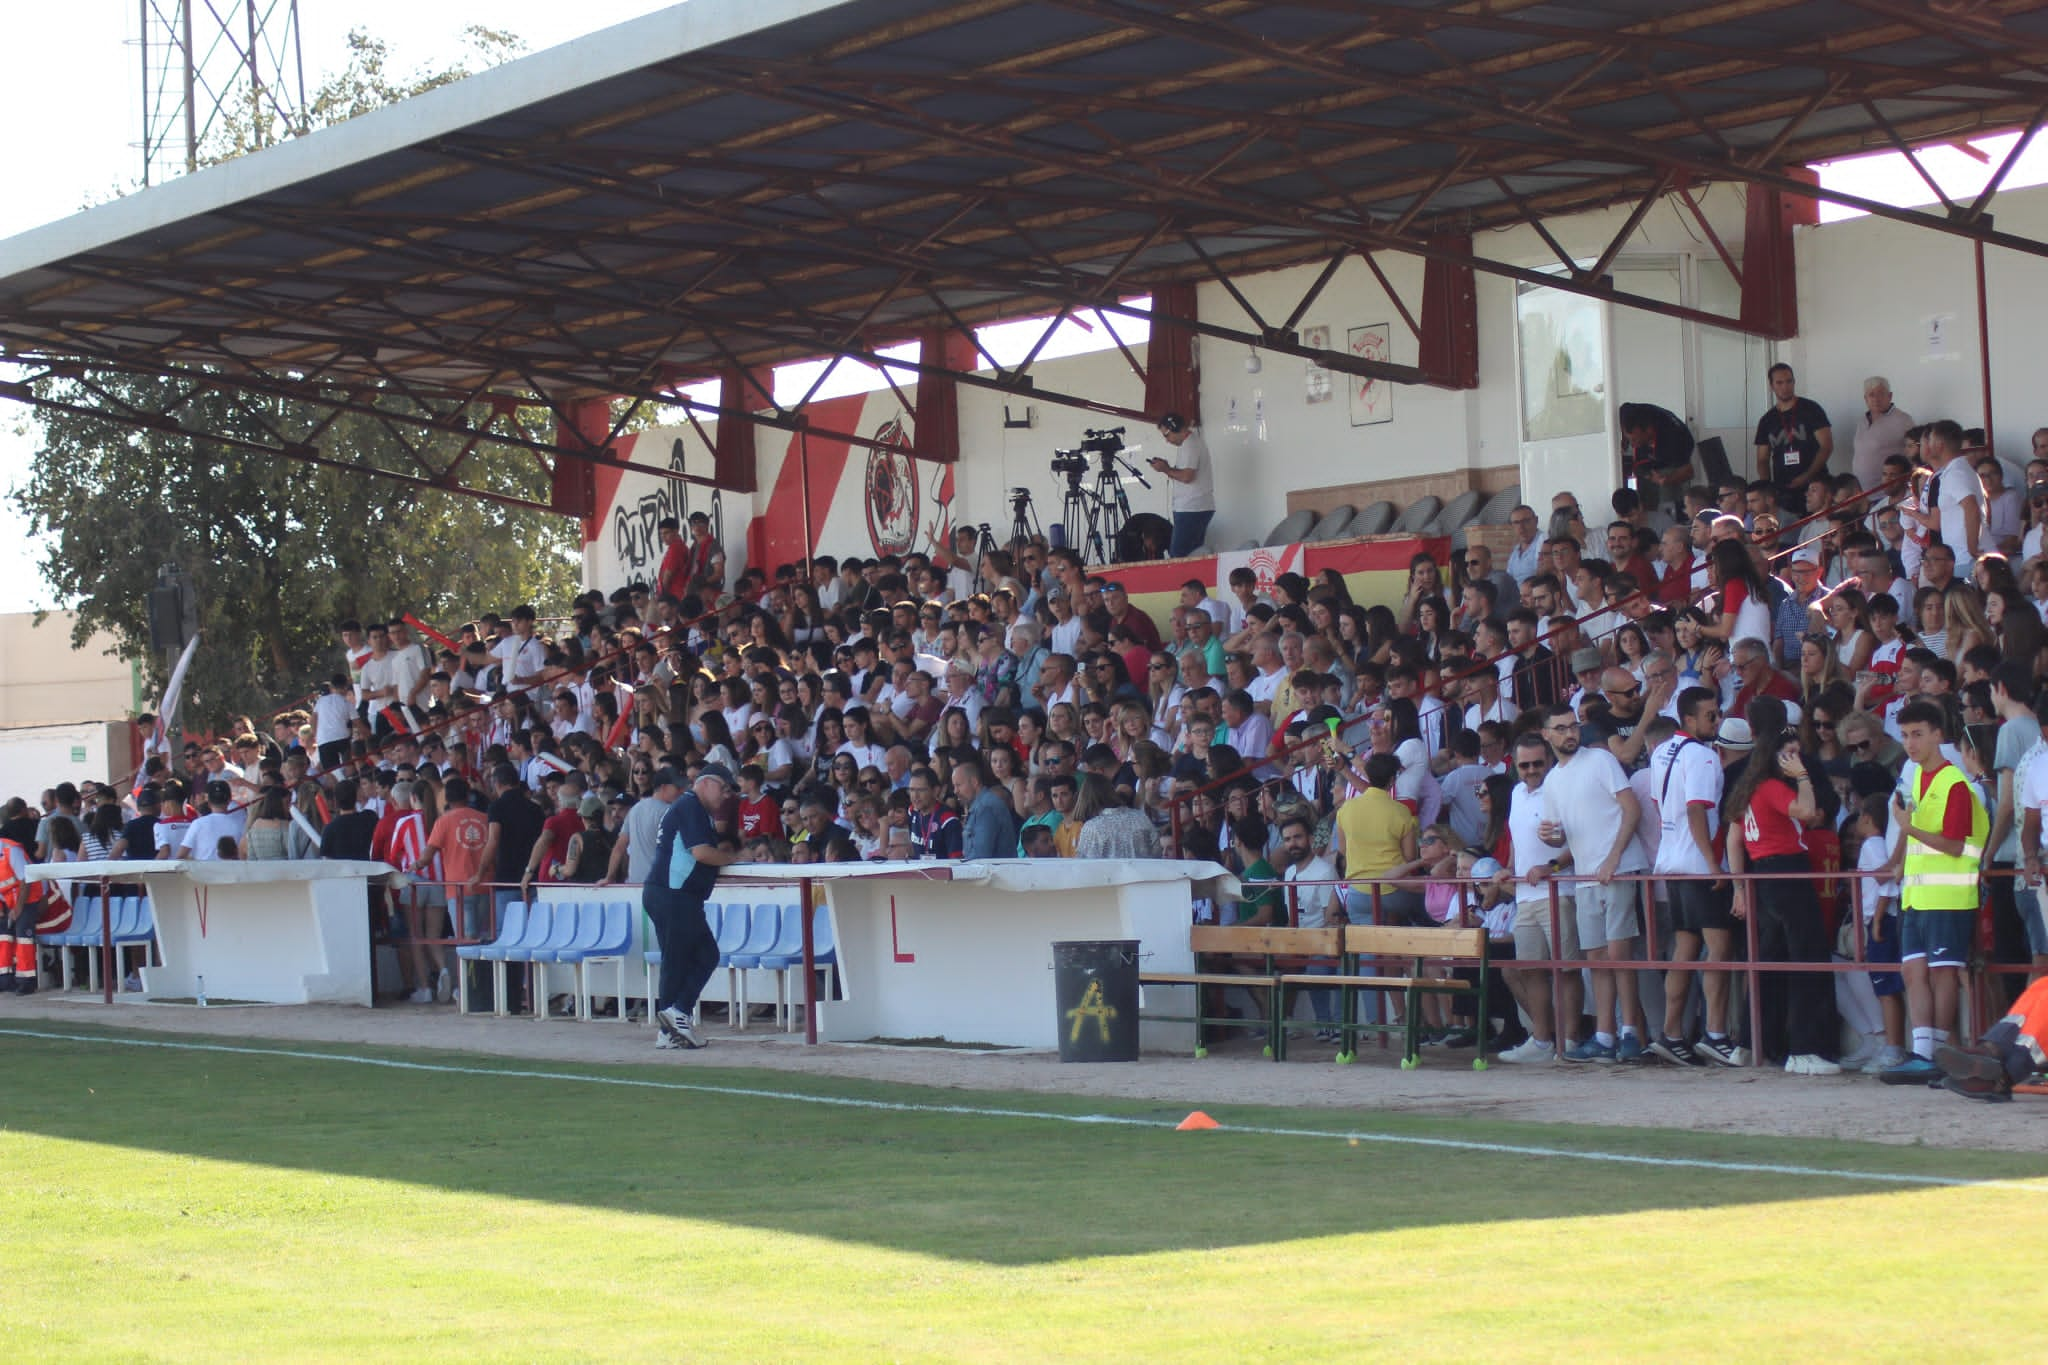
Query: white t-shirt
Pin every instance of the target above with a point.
(517, 658)
(1525, 812)
(1064, 638)
(331, 713)
(1684, 772)
(1875, 854)
(1581, 795)
(375, 677)
(407, 667)
(202, 837)
(866, 755)
(1310, 902)
(1264, 685)
(1199, 496)
(1959, 483)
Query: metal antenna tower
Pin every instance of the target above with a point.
(217, 66)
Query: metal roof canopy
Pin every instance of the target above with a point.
(730, 183)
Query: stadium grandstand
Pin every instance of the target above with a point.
(1312, 439)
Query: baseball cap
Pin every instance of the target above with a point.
(1807, 554)
(717, 770)
(1734, 735)
(1583, 659)
(1486, 867)
(626, 799)
(590, 805)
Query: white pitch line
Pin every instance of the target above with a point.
(1112, 1120)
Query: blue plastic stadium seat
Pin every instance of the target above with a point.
(604, 935)
(764, 929)
(519, 922)
(788, 956)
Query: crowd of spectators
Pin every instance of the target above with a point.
(1797, 657)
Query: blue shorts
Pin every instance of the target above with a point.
(1941, 937)
(1886, 949)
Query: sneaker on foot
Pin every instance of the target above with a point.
(665, 1041)
(1677, 1051)
(1864, 1057)
(1912, 1071)
(1891, 1055)
(671, 1020)
(422, 996)
(1590, 1050)
(1629, 1049)
(1528, 1050)
(1811, 1064)
(686, 1037)
(444, 986)
(1720, 1051)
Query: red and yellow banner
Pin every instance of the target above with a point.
(1375, 570)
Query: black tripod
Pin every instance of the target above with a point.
(1023, 517)
(1079, 519)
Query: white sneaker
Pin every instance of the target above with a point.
(1528, 1050)
(444, 985)
(1865, 1056)
(1893, 1055)
(422, 996)
(1808, 1064)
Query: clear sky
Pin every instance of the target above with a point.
(70, 92)
(71, 96)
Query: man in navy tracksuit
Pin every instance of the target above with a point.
(686, 862)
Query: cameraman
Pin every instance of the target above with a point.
(1194, 494)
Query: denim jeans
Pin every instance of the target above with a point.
(1188, 530)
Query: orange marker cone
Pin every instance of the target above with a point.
(1196, 1122)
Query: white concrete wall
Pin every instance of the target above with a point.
(1868, 290)
(1302, 444)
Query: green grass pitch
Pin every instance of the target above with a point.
(168, 1204)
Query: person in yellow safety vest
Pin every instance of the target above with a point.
(1942, 828)
(26, 909)
(2011, 1050)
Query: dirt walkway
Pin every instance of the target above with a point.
(1756, 1103)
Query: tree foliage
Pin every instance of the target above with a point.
(276, 550)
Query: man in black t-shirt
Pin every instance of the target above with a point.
(512, 828)
(349, 834)
(1793, 442)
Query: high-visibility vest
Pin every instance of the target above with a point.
(1936, 881)
(12, 885)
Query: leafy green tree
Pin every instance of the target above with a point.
(278, 551)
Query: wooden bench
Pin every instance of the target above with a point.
(1377, 944)
(1276, 949)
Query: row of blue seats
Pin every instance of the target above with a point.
(133, 923)
(574, 934)
(766, 937)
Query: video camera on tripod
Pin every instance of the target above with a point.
(1105, 444)
(1093, 517)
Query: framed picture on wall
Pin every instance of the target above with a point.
(1318, 387)
(1372, 400)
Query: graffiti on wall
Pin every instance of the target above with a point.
(636, 523)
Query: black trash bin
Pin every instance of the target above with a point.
(1095, 985)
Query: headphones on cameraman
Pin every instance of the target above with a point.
(1172, 424)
